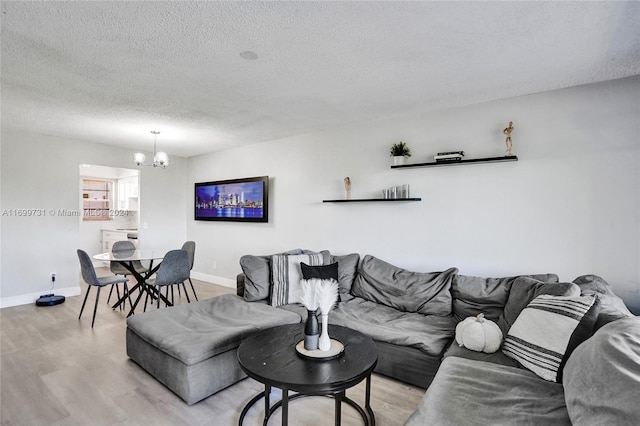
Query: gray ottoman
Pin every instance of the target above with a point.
(191, 348)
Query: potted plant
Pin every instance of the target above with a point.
(399, 151)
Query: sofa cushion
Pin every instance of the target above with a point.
(429, 333)
(612, 307)
(286, 273)
(475, 295)
(347, 271)
(425, 293)
(297, 308)
(602, 377)
(196, 331)
(548, 330)
(257, 279)
(524, 290)
(496, 357)
(469, 392)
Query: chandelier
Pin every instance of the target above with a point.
(160, 159)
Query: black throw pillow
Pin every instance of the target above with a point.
(325, 272)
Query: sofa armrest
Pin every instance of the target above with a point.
(240, 285)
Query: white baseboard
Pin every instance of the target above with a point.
(226, 282)
(29, 298)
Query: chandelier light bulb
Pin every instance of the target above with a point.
(139, 158)
(161, 159)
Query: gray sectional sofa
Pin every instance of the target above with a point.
(412, 318)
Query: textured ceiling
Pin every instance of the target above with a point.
(110, 72)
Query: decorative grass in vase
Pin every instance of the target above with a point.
(308, 294)
(327, 295)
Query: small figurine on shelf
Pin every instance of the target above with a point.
(507, 131)
(347, 187)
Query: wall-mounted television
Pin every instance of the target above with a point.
(237, 200)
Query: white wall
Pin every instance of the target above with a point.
(41, 172)
(570, 205)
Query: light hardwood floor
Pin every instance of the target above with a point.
(57, 370)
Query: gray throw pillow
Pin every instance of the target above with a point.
(475, 295)
(425, 293)
(523, 291)
(347, 271)
(257, 280)
(612, 307)
(593, 284)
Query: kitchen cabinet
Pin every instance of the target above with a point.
(128, 193)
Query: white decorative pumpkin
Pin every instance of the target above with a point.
(479, 334)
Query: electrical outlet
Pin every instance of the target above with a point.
(53, 276)
(214, 264)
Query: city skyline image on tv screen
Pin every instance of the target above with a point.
(233, 200)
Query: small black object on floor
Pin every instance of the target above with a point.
(49, 300)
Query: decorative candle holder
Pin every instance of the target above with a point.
(327, 294)
(311, 331)
(310, 300)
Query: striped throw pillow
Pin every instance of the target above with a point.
(286, 274)
(548, 330)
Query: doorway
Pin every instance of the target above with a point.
(109, 206)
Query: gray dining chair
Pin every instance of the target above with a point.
(89, 276)
(174, 270)
(118, 269)
(190, 247)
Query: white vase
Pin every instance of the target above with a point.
(398, 160)
(325, 342)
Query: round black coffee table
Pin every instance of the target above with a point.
(270, 357)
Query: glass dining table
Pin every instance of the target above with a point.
(126, 258)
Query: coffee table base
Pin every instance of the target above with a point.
(366, 413)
